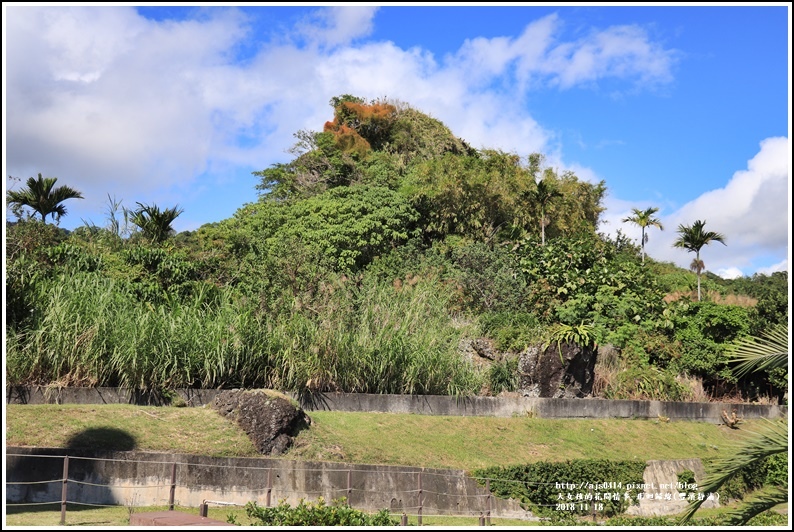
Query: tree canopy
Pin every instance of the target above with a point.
(692, 238)
(41, 195)
(644, 218)
(154, 223)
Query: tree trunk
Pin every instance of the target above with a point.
(697, 257)
(643, 245)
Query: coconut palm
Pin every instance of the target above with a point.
(42, 196)
(644, 219)
(154, 223)
(769, 351)
(692, 238)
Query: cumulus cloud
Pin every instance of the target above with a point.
(752, 211)
(113, 103)
(624, 52)
(781, 266)
(337, 25)
(729, 273)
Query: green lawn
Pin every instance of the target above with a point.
(50, 516)
(394, 439)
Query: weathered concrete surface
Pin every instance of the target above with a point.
(663, 494)
(135, 478)
(538, 407)
(433, 404)
(104, 395)
(138, 478)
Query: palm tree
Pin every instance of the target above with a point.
(644, 219)
(769, 351)
(692, 238)
(544, 193)
(40, 196)
(155, 224)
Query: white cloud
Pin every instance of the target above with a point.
(781, 266)
(624, 52)
(338, 25)
(621, 51)
(729, 273)
(113, 103)
(117, 102)
(752, 212)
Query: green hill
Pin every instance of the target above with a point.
(367, 261)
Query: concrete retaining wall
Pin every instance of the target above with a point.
(426, 404)
(134, 478)
(539, 407)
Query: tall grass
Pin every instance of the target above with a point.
(404, 341)
(620, 378)
(91, 331)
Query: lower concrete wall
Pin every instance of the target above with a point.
(425, 404)
(134, 478)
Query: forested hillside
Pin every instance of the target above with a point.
(369, 258)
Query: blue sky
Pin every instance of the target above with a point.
(684, 108)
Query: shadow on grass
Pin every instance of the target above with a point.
(49, 515)
(102, 438)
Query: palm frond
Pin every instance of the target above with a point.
(766, 352)
(153, 222)
(766, 500)
(772, 439)
(42, 196)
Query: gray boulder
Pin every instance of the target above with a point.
(269, 418)
(564, 371)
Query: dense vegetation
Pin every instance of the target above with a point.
(364, 264)
(548, 488)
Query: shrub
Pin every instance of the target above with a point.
(489, 279)
(542, 485)
(648, 383)
(503, 375)
(768, 518)
(339, 513)
(511, 331)
(703, 329)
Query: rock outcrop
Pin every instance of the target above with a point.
(269, 418)
(564, 371)
(479, 351)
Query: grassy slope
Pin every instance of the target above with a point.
(397, 439)
(429, 441)
(474, 442)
